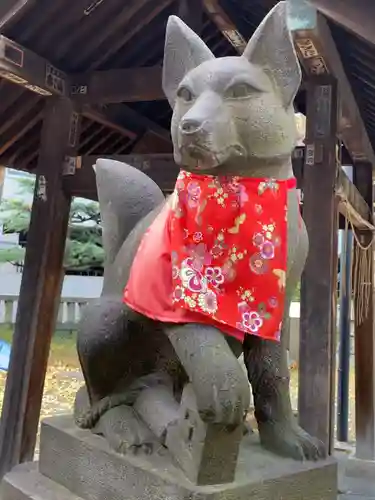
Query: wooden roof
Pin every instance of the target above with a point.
(81, 36)
(99, 35)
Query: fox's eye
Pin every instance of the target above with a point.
(185, 94)
(239, 90)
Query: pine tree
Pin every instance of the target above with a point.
(84, 251)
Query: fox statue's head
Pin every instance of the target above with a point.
(232, 114)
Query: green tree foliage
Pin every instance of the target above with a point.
(84, 249)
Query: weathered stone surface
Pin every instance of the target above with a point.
(232, 116)
(86, 465)
(356, 477)
(25, 482)
(192, 443)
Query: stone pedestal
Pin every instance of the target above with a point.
(77, 465)
(356, 477)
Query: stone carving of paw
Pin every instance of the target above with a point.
(290, 440)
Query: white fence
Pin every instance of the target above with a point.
(68, 316)
(70, 313)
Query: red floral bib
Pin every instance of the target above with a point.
(216, 254)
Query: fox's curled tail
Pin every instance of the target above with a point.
(126, 195)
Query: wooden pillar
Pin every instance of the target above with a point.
(319, 280)
(40, 289)
(365, 339)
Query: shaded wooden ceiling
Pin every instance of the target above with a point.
(88, 35)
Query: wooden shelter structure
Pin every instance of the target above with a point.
(82, 79)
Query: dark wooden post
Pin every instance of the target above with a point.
(318, 290)
(40, 289)
(365, 338)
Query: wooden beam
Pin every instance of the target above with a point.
(23, 67)
(354, 15)
(319, 280)
(40, 289)
(365, 335)
(345, 191)
(319, 56)
(81, 181)
(223, 22)
(358, 210)
(118, 85)
(12, 10)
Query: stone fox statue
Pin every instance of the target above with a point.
(233, 118)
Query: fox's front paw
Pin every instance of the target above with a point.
(290, 440)
(225, 404)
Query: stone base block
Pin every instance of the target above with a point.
(80, 464)
(356, 477)
(25, 482)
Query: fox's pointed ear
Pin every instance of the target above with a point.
(272, 48)
(184, 50)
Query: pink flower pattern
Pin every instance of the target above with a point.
(229, 248)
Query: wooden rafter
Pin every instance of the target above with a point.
(12, 10)
(28, 70)
(9, 95)
(15, 112)
(99, 142)
(22, 148)
(95, 114)
(17, 131)
(225, 24)
(145, 19)
(37, 22)
(120, 20)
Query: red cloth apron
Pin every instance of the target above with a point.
(216, 254)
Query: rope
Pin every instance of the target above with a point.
(362, 268)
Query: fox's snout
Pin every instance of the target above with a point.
(189, 126)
